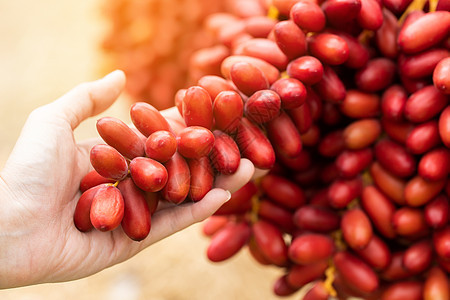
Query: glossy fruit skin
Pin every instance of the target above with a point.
(437, 285)
(356, 228)
(444, 126)
(92, 179)
(118, 135)
(379, 209)
(228, 241)
(197, 107)
(308, 16)
(228, 110)
(108, 162)
(269, 71)
(355, 272)
(248, 78)
(307, 69)
(329, 48)
(311, 248)
(292, 92)
(147, 118)
(254, 145)
(269, 239)
(263, 106)
(290, 39)
(299, 275)
(195, 142)
(283, 191)
(440, 79)
(202, 177)
(136, 222)
(107, 209)
(148, 174)
(81, 216)
(283, 134)
(424, 104)
(161, 145)
(177, 187)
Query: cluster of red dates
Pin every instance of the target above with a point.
(347, 103)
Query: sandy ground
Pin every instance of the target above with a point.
(46, 48)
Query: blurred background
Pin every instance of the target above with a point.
(49, 46)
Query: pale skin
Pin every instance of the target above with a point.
(39, 191)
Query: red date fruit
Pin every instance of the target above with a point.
(259, 26)
(395, 158)
(392, 186)
(379, 209)
(423, 137)
(107, 209)
(424, 104)
(308, 16)
(340, 12)
(356, 228)
(282, 287)
(254, 145)
(377, 75)
(419, 191)
(329, 48)
(299, 275)
(437, 212)
(148, 174)
(214, 224)
(393, 102)
(248, 78)
(264, 49)
(147, 118)
(136, 222)
(355, 272)
(360, 105)
(93, 179)
(302, 117)
(386, 35)
(418, 257)
(434, 165)
(424, 32)
(421, 64)
(330, 87)
(342, 191)
(214, 85)
(262, 106)
(362, 133)
(307, 69)
(271, 243)
(351, 162)
(397, 130)
(291, 91)
(178, 182)
(290, 39)
(317, 292)
(161, 145)
(195, 142)
(283, 191)
(409, 221)
(228, 109)
(202, 177)
(440, 76)
(225, 156)
(197, 107)
(118, 135)
(441, 242)
(370, 15)
(276, 214)
(108, 162)
(436, 285)
(283, 134)
(332, 144)
(310, 248)
(395, 271)
(81, 216)
(269, 71)
(240, 202)
(376, 253)
(228, 241)
(315, 218)
(444, 126)
(403, 290)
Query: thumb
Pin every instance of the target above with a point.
(89, 98)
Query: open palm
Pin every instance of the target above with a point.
(39, 191)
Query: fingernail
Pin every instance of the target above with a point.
(229, 196)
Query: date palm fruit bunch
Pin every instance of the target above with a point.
(346, 104)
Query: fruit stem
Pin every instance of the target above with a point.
(338, 241)
(417, 5)
(329, 279)
(273, 13)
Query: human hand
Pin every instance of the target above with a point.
(39, 191)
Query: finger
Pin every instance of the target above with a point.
(174, 118)
(259, 173)
(171, 220)
(90, 98)
(237, 180)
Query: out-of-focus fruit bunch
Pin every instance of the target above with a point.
(153, 41)
(346, 102)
